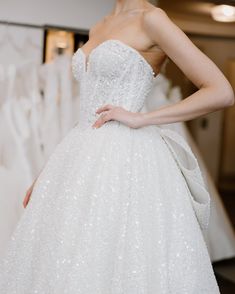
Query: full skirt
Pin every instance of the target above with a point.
(111, 213)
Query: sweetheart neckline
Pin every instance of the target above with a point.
(87, 57)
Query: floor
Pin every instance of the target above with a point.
(225, 275)
(225, 286)
(225, 270)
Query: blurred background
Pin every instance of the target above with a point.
(39, 102)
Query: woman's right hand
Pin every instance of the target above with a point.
(28, 195)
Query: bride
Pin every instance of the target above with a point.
(120, 205)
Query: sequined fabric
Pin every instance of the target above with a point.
(112, 211)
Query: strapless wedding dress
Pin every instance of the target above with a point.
(116, 210)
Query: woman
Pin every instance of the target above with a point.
(116, 209)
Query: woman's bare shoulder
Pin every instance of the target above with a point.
(195, 64)
(95, 27)
(155, 16)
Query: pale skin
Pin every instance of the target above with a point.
(149, 30)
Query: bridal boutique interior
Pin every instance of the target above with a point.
(39, 103)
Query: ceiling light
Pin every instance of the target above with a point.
(224, 13)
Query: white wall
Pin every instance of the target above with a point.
(71, 13)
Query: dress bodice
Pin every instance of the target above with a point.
(113, 73)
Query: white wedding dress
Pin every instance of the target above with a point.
(219, 236)
(116, 210)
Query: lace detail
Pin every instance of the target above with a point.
(122, 78)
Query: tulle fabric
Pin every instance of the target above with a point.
(110, 213)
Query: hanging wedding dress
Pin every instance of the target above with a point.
(19, 160)
(219, 236)
(60, 103)
(15, 173)
(50, 124)
(66, 99)
(31, 102)
(115, 209)
(2, 85)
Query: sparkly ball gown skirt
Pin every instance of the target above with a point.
(116, 210)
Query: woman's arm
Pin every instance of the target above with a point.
(215, 92)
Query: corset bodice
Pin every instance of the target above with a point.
(113, 73)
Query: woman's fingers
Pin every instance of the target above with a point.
(102, 119)
(26, 200)
(104, 108)
(110, 112)
(105, 116)
(27, 197)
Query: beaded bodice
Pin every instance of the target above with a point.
(114, 73)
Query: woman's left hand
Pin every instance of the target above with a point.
(110, 112)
